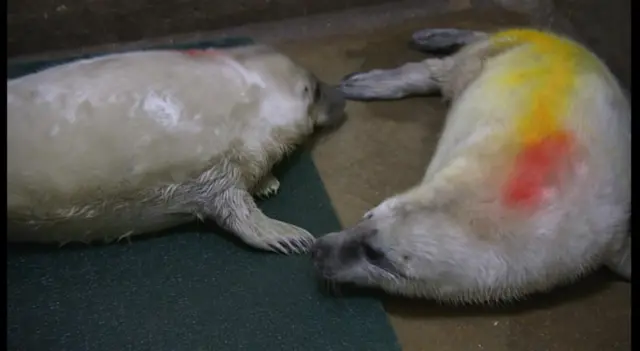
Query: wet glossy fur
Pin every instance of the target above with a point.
(131, 143)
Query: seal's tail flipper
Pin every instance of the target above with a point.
(236, 211)
(444, 40)
(414, 78)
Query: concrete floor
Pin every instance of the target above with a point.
(384, 148)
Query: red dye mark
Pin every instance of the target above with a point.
(201, 52)
(534, 165)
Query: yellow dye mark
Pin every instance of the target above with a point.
(547, 70)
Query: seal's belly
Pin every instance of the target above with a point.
(111, 219)
(105, 227)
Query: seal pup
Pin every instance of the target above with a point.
(131, 143)
(529, 186)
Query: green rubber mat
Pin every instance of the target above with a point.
(193, 289)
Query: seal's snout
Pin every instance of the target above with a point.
(322, 254)
(333, 253)
(319, 252)
(336, 98)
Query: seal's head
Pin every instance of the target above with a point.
(403, 248)
(324, 104)
(326, 107)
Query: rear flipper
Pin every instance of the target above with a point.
(445, 40)
(448, 76)
(415, 78)
(236, 211)
(620, 261)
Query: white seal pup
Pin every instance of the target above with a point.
(530, 183)
(132, 143)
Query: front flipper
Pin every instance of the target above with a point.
(445, 40)
(236, 211)
(268, 186)
(415, 78)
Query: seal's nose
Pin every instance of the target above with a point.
(335, 97)
(323, 262)
(319, 251)
(323, 254)
(335, 104)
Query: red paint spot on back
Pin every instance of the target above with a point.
(534, 165)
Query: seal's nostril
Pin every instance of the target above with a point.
(319, 251)
(315, 252)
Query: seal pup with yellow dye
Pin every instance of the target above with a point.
(131, 143)
(530, 183)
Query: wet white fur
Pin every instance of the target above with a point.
(130, 143)
(449, 239)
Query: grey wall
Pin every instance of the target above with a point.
(35, 26)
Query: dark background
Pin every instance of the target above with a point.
(44, 25)
(36, 26)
